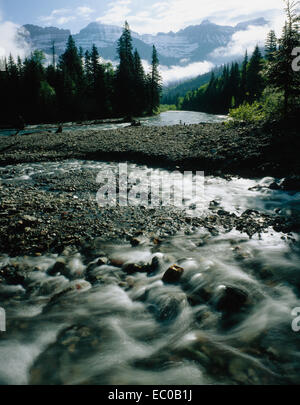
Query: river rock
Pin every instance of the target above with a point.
(59, 267)
(12, 276)
(274, 186)
(231, 299)
(173, 274)
(291, 183)
(131, 268)
(167, 306)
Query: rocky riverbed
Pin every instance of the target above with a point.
(212, 147)
(139, 295)
(47, 206)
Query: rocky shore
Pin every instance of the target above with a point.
(139, 295)
(48, 214)
(215, 148)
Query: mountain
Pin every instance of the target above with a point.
(42, 38)
(171, 93)
(191, 44)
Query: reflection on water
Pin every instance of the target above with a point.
(94, 318)
(166, 118)
(182, 117)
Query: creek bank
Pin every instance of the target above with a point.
(263, 150)
(34, 221)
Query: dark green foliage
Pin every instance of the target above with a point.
(270, 46)
(255, 83)
(236, 85)
(221, 93)
(134, 92)
(125, 94)
(154, 80)
(278, 70)
(172, 93)
(140, 85)
(80, 87)
(262, 88)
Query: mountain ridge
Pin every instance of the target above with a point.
(193, 43)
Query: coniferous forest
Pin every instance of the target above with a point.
(263, 86)
(80, 86)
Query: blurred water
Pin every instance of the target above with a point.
(166, 118)
(228, 321)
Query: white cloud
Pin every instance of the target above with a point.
(55, 16)
(64, 20)
(172, 15)
(177, 73)
(84, 11)
(11, 42)
(64, 15)
(242, 41)
(117, 12)
(247, 40)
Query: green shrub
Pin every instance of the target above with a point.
(273, 103)
(269, 107)
(166, 107)
(248, 113)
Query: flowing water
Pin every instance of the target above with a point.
(86, 319)
(166, 118)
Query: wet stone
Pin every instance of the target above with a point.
(59, 267)
(291, 183)
(12, 276)
(131, 268)
(173, 274)
(232, 299)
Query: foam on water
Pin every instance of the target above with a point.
(93, 323)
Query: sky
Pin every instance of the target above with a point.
(144, 16)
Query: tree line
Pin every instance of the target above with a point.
(81, 86)
(265, 81)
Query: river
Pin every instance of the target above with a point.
(228, 321)
(165, 118)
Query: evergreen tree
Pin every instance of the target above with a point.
(270, 46)
(279, 72)
(243, 82)
(88, 69)
(255, 83)
(34, 76)
(140, 84)
(72, 83)
(155, 82)
(70, 62)
(234, 83)
(125, 95)
(98, 81)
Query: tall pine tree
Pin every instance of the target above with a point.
(154, 82)
(125, 94)
(255, 83)
(271, 46)
(279, 72)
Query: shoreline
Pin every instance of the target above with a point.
(48, 216)
(252, 151)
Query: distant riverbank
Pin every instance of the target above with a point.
(212, 147)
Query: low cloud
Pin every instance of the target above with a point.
(242, 41)
(247, 40)
(11, 42)
(178, 73)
